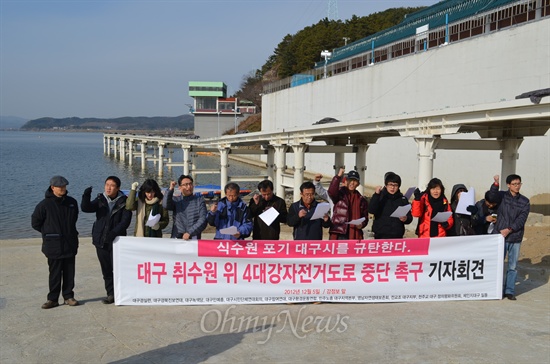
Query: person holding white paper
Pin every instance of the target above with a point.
(300, 213)
(262, 202)
(428, 204)
(462, 222)
(231, 211)
(148, 203)
(383, 203)
(349, 205)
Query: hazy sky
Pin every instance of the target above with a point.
(109, 58)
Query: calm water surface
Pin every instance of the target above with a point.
(29, 159)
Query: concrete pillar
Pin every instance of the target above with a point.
(186, 159)
(131, 152)
(115, 148)
(108, 146)
(270, 164)
(339, 161)
(122, 149)
(193, 157)
(104, 144)
(280, 165)
(509, 156)
(426, 155)
(361, 165)
(143, 155)
(161, 158)
(224, 165)
(299, 152)
(170, 158)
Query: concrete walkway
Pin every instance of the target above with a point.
(500, 331)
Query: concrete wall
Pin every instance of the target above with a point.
(487, 69)
(206, 126)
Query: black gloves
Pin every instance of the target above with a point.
(417, 194)
(88, 191)
(472, 209)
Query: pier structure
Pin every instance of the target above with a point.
(502, 127)
(470, 76)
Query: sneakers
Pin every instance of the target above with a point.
(71, 302)
(511, 297)
(50, 304)
(108, 300)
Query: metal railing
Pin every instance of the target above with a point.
(480, 24)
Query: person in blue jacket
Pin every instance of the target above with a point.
(231, 211)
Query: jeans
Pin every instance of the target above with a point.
(512, 249)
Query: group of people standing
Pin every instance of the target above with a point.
(55, 217)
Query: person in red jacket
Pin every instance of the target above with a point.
(349, 205)
(426, 205)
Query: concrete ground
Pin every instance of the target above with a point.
(499, 331)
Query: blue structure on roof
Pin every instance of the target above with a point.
(434, 16)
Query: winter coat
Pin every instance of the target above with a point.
(462, 223)
(55, 218)
(231, 214)
(305, 228)
(382, 206)
(133, 203)
(340, 196)
(423, 210)
(189, 214)
(513, 212)
(261, 230)
(479, 219)
(108, 224)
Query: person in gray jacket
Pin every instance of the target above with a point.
(189, 210)
(510, 223)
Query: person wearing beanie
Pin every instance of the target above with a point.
(383, 204)
(55, 218)
(349, 205)
(462, 222)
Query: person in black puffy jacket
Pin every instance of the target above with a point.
(55, 218)
(112, 220)
(383, 204)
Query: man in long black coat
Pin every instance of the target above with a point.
(55, 218)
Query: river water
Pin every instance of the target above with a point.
(29, 159)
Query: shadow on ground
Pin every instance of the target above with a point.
(193, 351)
(531, 276)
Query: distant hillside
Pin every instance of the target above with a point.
(11, 122)
(182, 122)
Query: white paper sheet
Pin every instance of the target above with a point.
(269, 215)
(232, 230)
(356, 221)
(409, 192)
(466, 199)
(442, 216)
(401, 211)
(152, 220)
(321, 210)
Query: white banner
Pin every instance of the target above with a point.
(152, 271)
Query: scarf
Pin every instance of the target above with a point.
(354, 213)
(112, 202)
(437, 206)
(142, 216)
